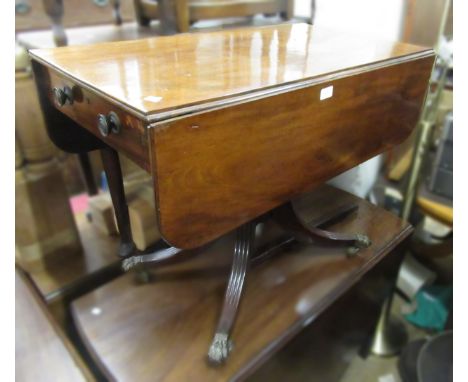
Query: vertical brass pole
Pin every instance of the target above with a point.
(389, 337)
(425, 124)
(419, 151)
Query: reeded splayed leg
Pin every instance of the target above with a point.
(287, 217)
(222, 345)
(111, 162)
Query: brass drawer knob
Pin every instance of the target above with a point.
(63, 96)
(109, 124)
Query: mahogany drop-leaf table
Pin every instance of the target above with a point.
(232, 125)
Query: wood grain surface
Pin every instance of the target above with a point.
(231, 124)
(328, 349)
(154, 75)
(131, 140)
(219, 169)
(61, 274)
(42, 352)
(162, 330)
(44, 223)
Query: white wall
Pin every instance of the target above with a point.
(380, 18)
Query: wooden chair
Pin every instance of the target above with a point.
(189, 11)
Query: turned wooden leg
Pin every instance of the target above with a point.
(290, 221)
(141, 19)
(290, 10)
(88, 175)
(111, 162)
(222, 344)
(116, 12)
(182, 16)
(54, 9)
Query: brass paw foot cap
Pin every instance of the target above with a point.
(219, 349)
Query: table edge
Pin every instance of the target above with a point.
(154, 117)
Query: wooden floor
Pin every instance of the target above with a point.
(162, 330)
(42, 353)
(64, 272)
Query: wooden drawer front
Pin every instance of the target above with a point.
(132, 139)
(219, 169)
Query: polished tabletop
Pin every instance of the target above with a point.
(155, 76)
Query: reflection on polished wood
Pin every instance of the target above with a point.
(218, 169)
(62, 274)
(161, 330)
(232, 124)
(42, 352)
(188, 69)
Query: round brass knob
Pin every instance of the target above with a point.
(109, 124)
(63, 96)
